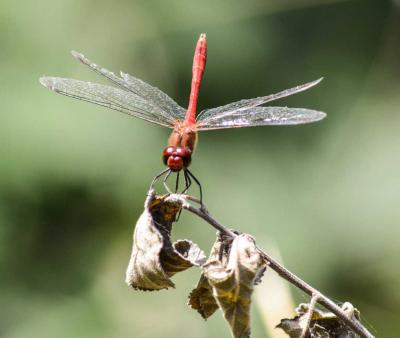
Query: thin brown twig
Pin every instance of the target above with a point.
(352, 323)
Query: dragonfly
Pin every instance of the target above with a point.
(139, 99)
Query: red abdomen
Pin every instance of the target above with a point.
(199, 64)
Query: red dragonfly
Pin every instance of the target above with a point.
(139, 99)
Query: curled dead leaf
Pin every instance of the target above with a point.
(322, 324)
(201, 298)
(229, 275)
(154, 258)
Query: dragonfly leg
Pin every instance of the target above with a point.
(177, 182)
(188, 181)
(165, 181)
(190, 175)
(176, 190)
(155, 178)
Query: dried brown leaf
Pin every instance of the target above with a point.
(201, 298)
(233, 282)
(322, 324)
(154, 258)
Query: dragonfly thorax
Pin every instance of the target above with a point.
(181, 145)
(177, 158)
(183, 135)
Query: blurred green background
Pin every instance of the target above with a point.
(73, 176)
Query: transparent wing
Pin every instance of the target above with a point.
(138, 87)
(261, 116)
(110, 97)
(248, 103)
(154, 95)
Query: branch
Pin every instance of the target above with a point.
(353, 323)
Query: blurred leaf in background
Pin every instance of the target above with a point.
(73, 176)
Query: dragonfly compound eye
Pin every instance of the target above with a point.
(169, 151)
(186, 155)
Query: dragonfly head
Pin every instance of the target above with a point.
(177, 158)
